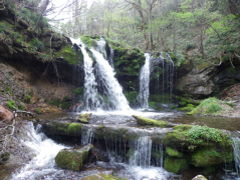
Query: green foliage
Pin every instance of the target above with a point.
(69, 54)
(5, 26)
(11, 104)
(173, 152)
(203, 134)
(90, 41)
(37, 44)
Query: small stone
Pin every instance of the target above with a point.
(5, 114)
(199, 177)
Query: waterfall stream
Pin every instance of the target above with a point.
(43, 163)
(111, 96)
(144, 81)
(236, 152)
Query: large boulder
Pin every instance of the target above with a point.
(198, 146)
(5, 114)
(73, 159)
(196, 82)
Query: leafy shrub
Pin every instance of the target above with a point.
(11, 104)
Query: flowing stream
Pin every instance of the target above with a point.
(43, 164)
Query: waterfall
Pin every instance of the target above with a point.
(43, 163)
(103, 92)
(236, 152)
(144, 81)
(91, 98)
(112, 88)
(170, 75)
(142, 152)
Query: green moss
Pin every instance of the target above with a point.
(11, 104)
(84, 118)
(74, 128)
(188, 108)
(111, 177)
(210, 106)
(209, 157)
(37, 44)
(5, 26)
(175, 165)
(203, 134)
(73, 159)
(69, 54)
(150, 122)
(173, 152)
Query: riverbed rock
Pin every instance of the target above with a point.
(150, 122)
(5, 114)
(101, 177)
(199, 177)
(73, 159)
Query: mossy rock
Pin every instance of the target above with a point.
(62, 129)
(190, 137)
(173, 152)
(150, 122)
(211, 106)
(84, 118)
(209, 157)
(175, 165)
(73, 159)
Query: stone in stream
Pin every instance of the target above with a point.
(73, 159)
(199, 177)
(84, 118)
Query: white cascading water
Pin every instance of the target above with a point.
(142, 152)
(91, 98)
(42, 165)
(113, 89)
(144, 81)
(87, 135)
(236, 152)
(106, 75)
